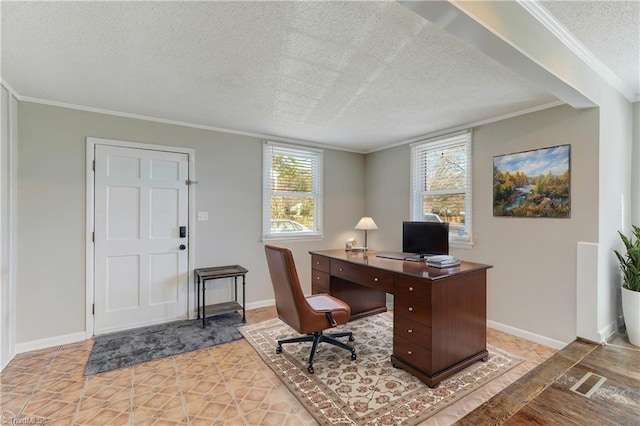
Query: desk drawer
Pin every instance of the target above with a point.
(408, 329)
(412, 309)
(413, 354)
(320, 263)
(363, 275)
(319, 281)
(413, 289)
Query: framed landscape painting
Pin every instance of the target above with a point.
(533, 183)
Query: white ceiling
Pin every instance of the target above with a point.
(609, 30)
(355, 75)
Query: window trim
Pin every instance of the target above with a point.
(465, 138)
(317, 191)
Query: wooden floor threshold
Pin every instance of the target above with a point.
(583, 383)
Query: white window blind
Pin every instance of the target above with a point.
(441, 183)
(292, 192)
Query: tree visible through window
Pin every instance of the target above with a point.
(441, 183)
(292, 191)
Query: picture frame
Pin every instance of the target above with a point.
(534, 183)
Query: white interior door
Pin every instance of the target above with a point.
(141, 258)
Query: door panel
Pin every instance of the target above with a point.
(124, 215)
(122, 283)
(164, 273)
(164, 213)
(141, 200)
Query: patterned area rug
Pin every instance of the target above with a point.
(368, 391)
(131, 347)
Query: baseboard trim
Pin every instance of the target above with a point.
(6, 361)
(543, 340)
(260, 304)
(80, 337)
(49, 342)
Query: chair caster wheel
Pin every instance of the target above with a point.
(353, 356)
(279, 350)
(310, 369)
(351, 338)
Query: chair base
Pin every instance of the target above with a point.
(318, 337)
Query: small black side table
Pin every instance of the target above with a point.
(202, 275)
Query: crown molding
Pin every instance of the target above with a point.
(278, 138)
(468, 126)
(171, 122)
(538, 11)
(180, 123)
(10, 89)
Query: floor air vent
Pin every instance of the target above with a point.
(588, 384)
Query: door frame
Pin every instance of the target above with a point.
(90, 220)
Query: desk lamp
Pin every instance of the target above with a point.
(366, 223)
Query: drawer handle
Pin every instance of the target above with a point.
(410, 288)
(409, 331)
(317, 278)
(409, 352)
(318, 262)
(340, 269)
(410, 309)
(375, 279)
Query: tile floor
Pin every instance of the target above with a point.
(223, 385)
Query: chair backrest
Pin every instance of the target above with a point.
(291, 303)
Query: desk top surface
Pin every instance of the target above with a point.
(415, 269)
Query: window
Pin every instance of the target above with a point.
(441, 183)
(292, 192)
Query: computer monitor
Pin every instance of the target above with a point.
(425, 238)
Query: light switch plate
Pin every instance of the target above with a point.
(202, 216)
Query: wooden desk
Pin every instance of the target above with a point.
(439, 315)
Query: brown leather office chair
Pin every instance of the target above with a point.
(309, 315)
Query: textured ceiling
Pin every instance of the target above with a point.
(610, 30)
(355, 75)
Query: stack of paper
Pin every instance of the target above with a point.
(442, 261)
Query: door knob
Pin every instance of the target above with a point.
(182, 247)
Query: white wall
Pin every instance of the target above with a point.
(531, 289)
(51, 199)
(8, 127)
(635, 166)
(614, 208)
(5, 318)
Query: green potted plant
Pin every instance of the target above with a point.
(629, 263)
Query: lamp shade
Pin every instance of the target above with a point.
(366, 223)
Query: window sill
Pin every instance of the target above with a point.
(297, 237)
